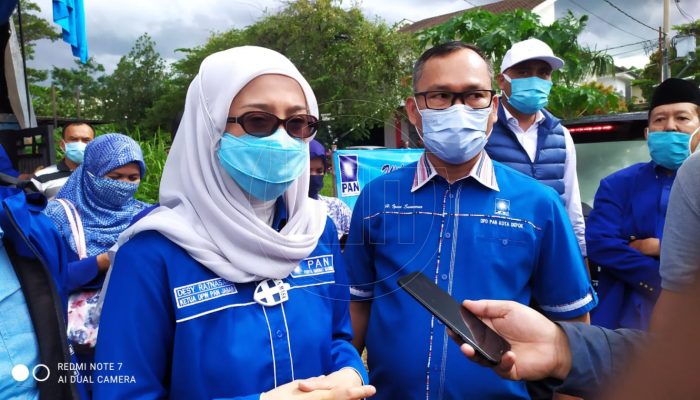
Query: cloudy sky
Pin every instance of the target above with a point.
(113, 26)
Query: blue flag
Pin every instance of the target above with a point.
(70, 16)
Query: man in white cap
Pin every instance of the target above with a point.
(527, 137)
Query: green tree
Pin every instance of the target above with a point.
(687, 67)
(358, 68)
(496, 33)
(172, 99)
(589, 98)
(34, 28)
(78, 91)
(135, 85)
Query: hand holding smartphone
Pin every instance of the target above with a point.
(468, 327)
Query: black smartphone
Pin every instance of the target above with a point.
(467, 326)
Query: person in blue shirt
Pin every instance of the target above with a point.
(6, 166)
(476, 227)
(234, 287)
(39, 256)
(19, 350)
(626, 226)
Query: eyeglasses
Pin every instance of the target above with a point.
(261, 124)
(440, 100)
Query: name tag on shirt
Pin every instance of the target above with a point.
(314, 266)
(200, 292)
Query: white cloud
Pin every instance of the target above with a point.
(113, 26)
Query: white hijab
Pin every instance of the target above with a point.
(202, 209)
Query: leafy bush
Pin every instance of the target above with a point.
(588, 99)
(155, 149)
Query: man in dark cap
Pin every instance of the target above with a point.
(626, 225)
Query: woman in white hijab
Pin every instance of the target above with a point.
(234, 287)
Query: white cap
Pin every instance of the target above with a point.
(530, 49)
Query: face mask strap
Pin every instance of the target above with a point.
(418, 131)
(509, 80)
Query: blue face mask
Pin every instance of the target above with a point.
(117, 193)
(315, 185)
(528, 95)
(264, 167)
(456, 134)
(75, 151)
(669, 149)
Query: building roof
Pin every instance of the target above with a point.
(496, 8)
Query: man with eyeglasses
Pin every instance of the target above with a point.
(529, 138)
(475, 227)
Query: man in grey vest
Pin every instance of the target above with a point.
(527, 137)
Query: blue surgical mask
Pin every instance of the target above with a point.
(75, 151)
(669, 149)
(528, 95)
(264, 167)
(456, 134)
(315, 185)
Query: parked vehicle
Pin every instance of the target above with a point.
(605, 144)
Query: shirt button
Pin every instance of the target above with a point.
(447, 235)
(505, 242)
(279, 333)
(444, 277)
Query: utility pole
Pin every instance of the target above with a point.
(662, 57)
(665, 70)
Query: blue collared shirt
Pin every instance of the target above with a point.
(181, 331)
(18, 345)
(629, 204)
(494, 234)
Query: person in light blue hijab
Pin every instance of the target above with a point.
(102, 190)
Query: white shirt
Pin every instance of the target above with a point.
(50, 180)
(572, 195)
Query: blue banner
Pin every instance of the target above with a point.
(355, 168)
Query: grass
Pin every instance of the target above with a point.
(155, 151)
(328, 183)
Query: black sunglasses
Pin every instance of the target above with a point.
(261, 124)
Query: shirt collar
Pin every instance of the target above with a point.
(482, 172)
(539, 116)
(62, 166)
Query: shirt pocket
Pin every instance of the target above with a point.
(506, 248)
(506, 237)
